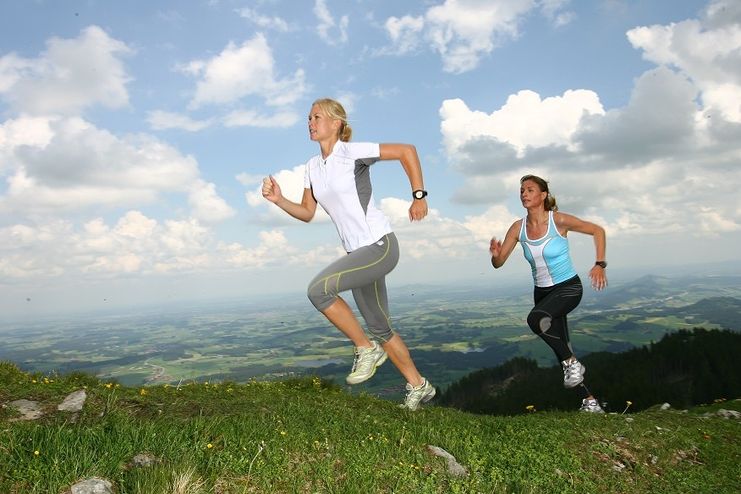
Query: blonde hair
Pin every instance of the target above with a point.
(335, 111)
(550, 201)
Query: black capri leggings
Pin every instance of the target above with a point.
(548, 318)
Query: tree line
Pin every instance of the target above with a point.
(684, 368)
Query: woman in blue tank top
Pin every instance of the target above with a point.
(558, 289)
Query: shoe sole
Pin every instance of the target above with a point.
(569, 386)
(349, 380)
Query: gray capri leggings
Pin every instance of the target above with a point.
(364, 272)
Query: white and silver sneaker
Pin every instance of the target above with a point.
(590, 405)
(573, 373)
(365, 363)
(417, 395)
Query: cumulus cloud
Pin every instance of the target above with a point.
(68, 77)
(134, 244)
(464, 31)
(660, 120)
(241, 71)
(706, 50)
(330, 31)
(525, 120)
(655, 166)
(58, 165)
(206, 205)
(435, 237)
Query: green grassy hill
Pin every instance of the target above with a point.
(309, 436)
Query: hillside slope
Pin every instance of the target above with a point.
(310, 436)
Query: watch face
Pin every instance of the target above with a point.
(419, 194)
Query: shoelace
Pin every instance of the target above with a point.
(355, 360)
(572, 369)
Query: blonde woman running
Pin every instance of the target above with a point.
(339, 179)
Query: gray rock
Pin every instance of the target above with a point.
(454, 468)
(143, 460)
(665, 406)
(728, 414)
(92, 485)
(73, 402)
(28, 409)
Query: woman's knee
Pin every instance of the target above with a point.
(539, 321)
(319, 296)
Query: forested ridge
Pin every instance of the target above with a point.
(684, 368)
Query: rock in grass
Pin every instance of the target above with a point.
(454, 468)
(73, 402)
(143, 460)
(28, 409)
(92, 485)
(728, 414)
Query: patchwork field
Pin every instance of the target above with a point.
(451, 332)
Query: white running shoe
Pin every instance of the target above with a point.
(365, 363)
(421, 394)
(590, 405)
(573, 373)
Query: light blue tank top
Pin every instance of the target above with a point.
(548, 256)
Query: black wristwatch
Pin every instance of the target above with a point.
(602, 264)
(419, 194)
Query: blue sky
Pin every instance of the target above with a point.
(134, 136)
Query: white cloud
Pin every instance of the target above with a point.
(264, 21)
(435, 237)
(161, 120)
(71, 75)
(653, 167)
(708, 51)
(404, 33)
(68, 165)
(494, 222)
(240, 71)
(660, 119)
(326, 26)
(461, 31)
(251, 118)
(206, 205)
(24, 131)
(273, 247)
(137, 245)
(525, 120)
(553, 11)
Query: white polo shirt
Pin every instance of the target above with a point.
(342, 185)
